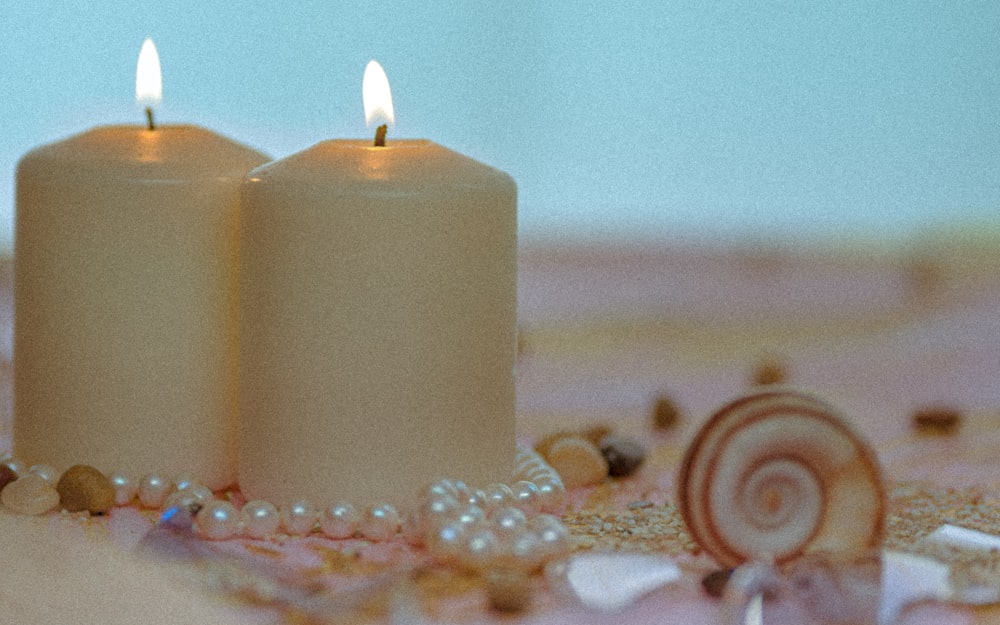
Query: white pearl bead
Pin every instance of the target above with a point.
(508, 522)
(477, 498)
(553, 536)
(16, 466)
(184, 481)
(203, 493)
(462, 491)
(381, 522)
(470, 516)
(260, 519)
(481, 549)
(45, 471)
(551, 497)
(413, 529)
(217, 520)
(184, 499)
(340, 520)
(437, 489)
(526, 496)
(498, 496)
(523, 551)
(125, 489)
(542, 475)
(153, 489)
(298, 518)
(437, 511)
(448, 542)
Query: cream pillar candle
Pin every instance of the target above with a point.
(377, 323)
(125, 301)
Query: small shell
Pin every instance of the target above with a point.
(577, 461)
(30, 494)
(778, 473)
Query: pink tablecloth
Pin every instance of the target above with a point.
(604, 331)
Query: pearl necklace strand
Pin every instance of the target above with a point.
(497, 526)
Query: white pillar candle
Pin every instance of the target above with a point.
(377, 323)
(125, 301)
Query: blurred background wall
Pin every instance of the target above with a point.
(655, 119)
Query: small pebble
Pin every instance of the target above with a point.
(624, 455)
(639, 505)
(715, 582)
(577, 461)
(508, 591)
(82, 487)
(7, 475)
(770, 371)
(937, 420)
(30, 494)
(666, 415)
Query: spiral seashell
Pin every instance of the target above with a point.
(778, 473)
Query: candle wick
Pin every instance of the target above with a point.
(149, 118)
(380, 136)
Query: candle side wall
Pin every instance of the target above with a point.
(377, 324)
(125, 331)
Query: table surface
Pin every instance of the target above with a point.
(604, 332)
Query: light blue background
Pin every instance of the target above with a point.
(650, 119)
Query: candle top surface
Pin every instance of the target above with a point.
(414, 163)
(169, 152)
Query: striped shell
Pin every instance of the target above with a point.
(778, 473)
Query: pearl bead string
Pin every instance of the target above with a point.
(510, 526)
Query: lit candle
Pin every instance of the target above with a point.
(125, 295)
(377, 320)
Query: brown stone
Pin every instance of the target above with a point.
(83, 487)
(666, 415)
(937, 420)
(7, 475)
(509, 591)
(624, 455)
(770, 371)
(715, 582)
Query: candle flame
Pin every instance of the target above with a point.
(148, 79)
(377, 96)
